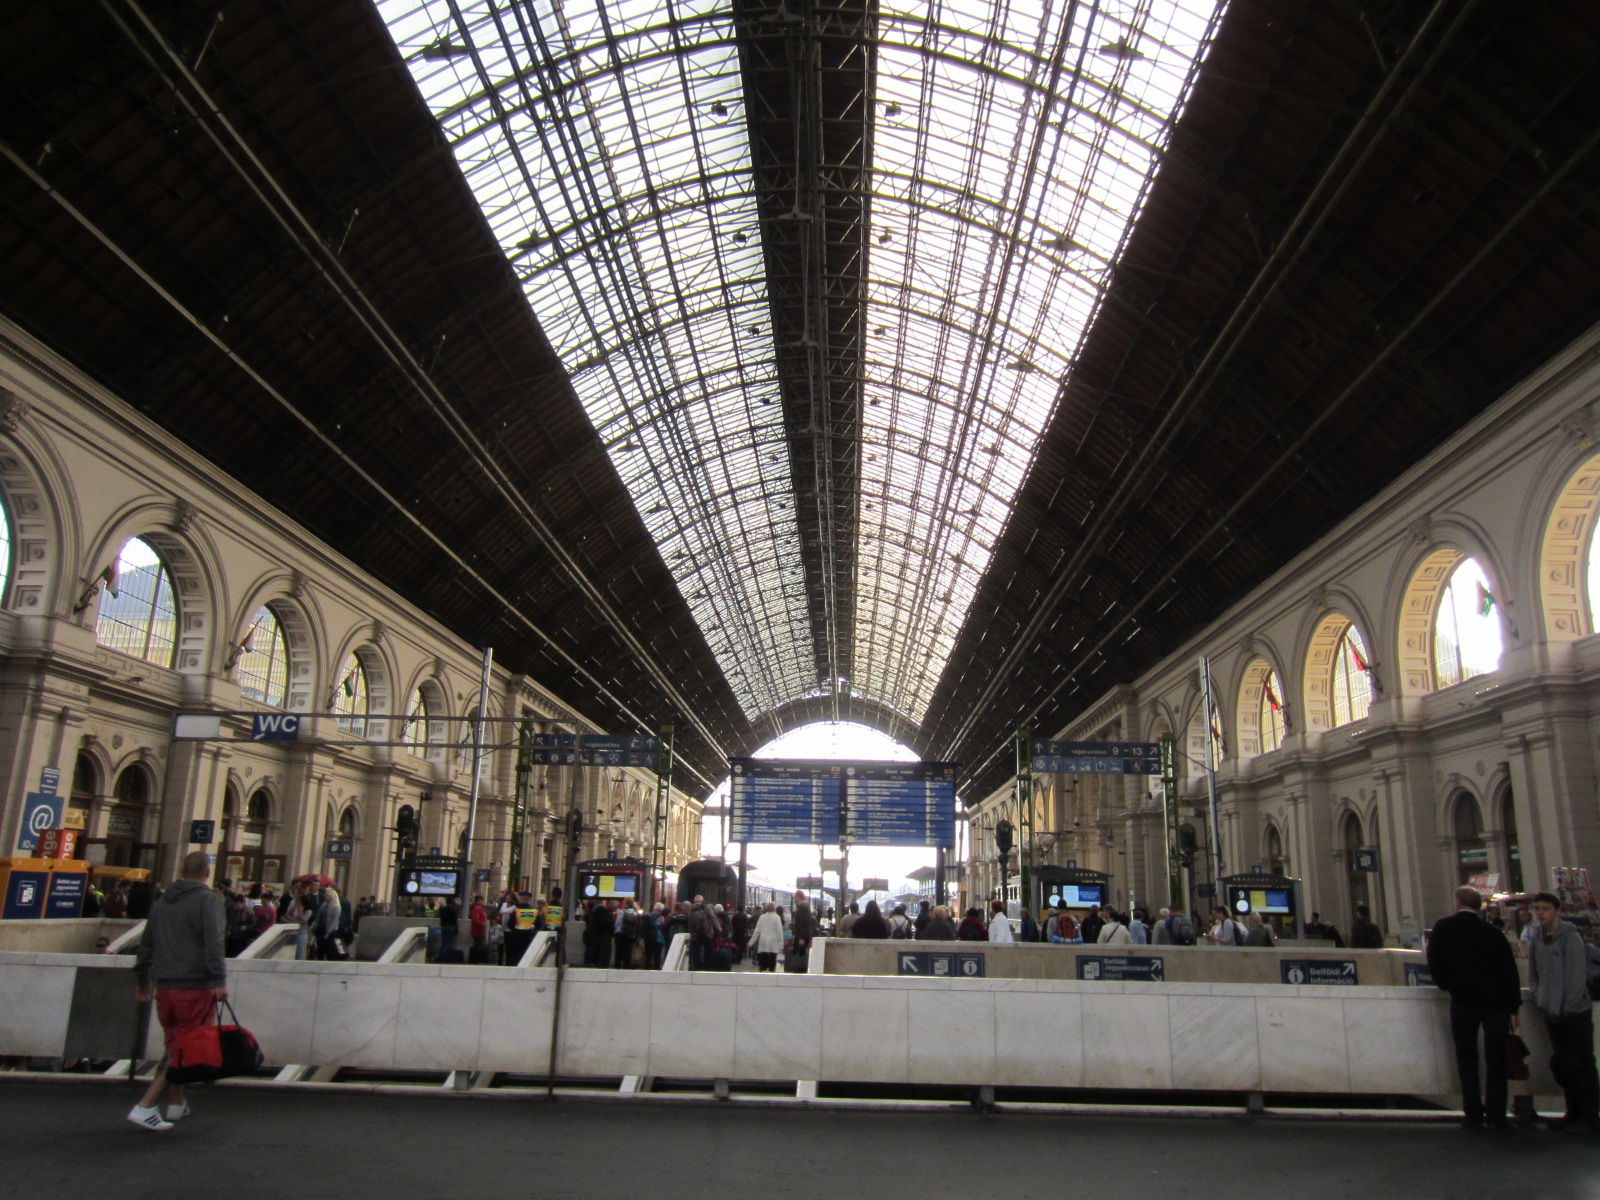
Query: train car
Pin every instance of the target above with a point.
(712, 878)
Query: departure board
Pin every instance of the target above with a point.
(784, 800)
(817, 801)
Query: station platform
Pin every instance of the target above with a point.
(351, 1144)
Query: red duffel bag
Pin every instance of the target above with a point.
(214, 1051)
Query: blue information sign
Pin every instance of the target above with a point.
(42, 811)
(202, 832)
(1340, 972)
(1418, 975)
(65, 898)
(1151, 969)
(935, 964)
(274, 727)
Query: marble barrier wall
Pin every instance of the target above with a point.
(704, 1025)
(1181, 964)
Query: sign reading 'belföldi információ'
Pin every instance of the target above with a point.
(1338, 972)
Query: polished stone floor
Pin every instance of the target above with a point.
(64, 1138)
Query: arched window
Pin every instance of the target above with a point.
(350, 696)
(130, 796)
(1269, 714)
(138, 612)
(1472, 853)
(464, 755)
(1258, 717)
(341, 866)
(1275, 862)
(1352, 687)
(419, 723)
(5, 549)
(264, 660)
(1466, 629)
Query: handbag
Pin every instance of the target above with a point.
(214, 1051)
(1516, 1057)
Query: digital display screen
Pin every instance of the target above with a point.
(1075, 895)
(606, 886)
(437, 883)
(1270, 900)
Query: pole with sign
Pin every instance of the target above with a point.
(1211, 769)
(1024, 746)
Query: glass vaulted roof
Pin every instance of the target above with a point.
(1012, 146)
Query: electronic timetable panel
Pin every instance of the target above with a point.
(819, 801)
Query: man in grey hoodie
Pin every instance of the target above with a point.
(1558, 985)
(180, 964)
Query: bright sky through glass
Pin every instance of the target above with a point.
(1461, 620)
(1013, 144)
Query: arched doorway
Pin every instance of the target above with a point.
(339, 868)
(1275, 860)
(1357, 882)
(85, 787)
(1513, 859)
(125, 822)
(228, 864)
(1471, 850)
(247, 860)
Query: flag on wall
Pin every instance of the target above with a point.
(1272, 699)
(1486, 600)
(109, 578)
(350, 683)
(1361, 663)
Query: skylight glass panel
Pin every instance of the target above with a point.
(1012, 152)
(607, 146)
(1013, 145)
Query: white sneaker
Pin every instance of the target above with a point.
(149, 1118)
(175, 1114)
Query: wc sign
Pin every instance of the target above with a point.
(275, 727)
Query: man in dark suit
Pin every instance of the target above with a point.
(1472, 961)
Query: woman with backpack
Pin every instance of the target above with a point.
(899, 923)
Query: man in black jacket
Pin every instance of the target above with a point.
(1472, 961)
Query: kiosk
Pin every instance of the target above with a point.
(426, 877)
(1275, 897)
(1076, 887)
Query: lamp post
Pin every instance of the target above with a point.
(1003, 840)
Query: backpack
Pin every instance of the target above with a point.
(1238, 934)
(899, 927)
(630, 923)
(1182, 929)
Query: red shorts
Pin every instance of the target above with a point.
(182, 1009)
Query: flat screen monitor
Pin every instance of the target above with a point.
(417, 882)
(1269, 900)
(1075, 895)
(606, 886)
